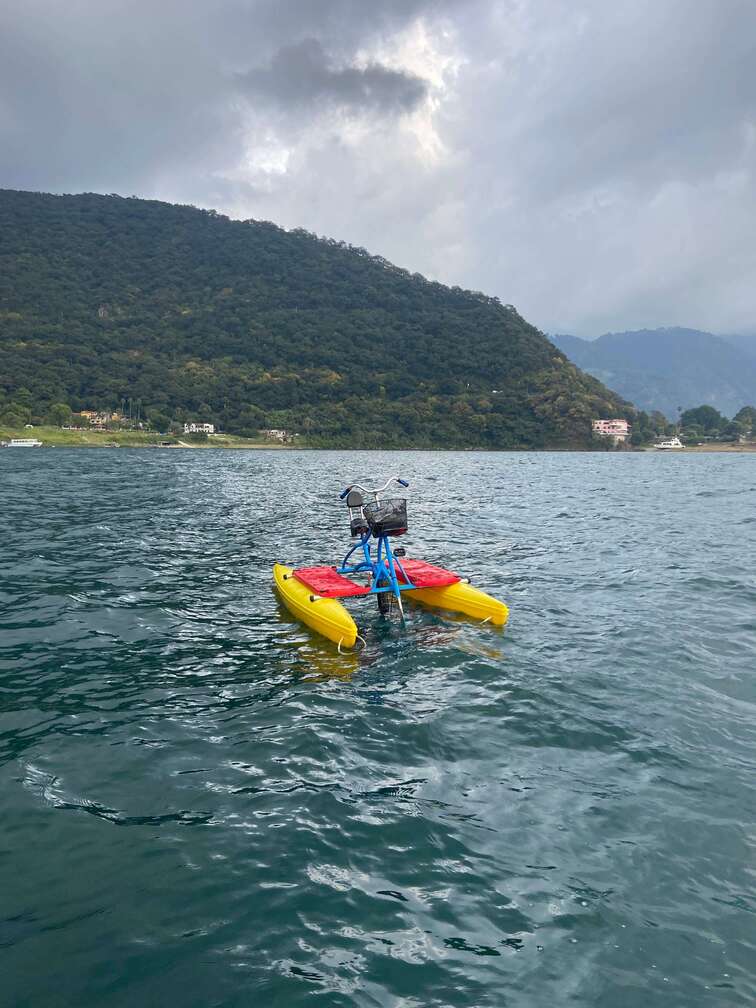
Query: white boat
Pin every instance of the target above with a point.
(23, 442)
(674, 442)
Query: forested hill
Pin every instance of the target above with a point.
(242, 323)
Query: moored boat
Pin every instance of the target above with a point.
(25, 442)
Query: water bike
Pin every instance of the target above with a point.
(311, 593)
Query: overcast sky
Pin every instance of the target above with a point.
(592, 162)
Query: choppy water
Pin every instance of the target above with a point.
(203, 804)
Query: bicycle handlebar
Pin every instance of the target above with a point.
(374, 490)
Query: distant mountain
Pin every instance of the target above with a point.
(665, 369)
(745, 343)
(249, 326)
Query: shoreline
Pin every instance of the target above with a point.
(716, 448)
(54, 437)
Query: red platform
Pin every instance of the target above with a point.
(327, 582)
(425, 575)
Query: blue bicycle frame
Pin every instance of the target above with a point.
(384, 566)
(382, 569)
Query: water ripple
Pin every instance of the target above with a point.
(560, 813)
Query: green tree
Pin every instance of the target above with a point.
(733, 431)
(15, 415)
(24, 397)
(59, 414)
(159, 421)
(747, 417)
(707, 418)
(10, 418)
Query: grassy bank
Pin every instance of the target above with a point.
(57, 437)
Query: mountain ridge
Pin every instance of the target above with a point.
(667, 369)
(746, 343)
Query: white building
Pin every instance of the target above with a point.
(617, 429)
(199, 428)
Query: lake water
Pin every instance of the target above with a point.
(204, 804)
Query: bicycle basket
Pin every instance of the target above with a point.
(387, 517)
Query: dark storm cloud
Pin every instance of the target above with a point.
(140, 97)
(302, 75)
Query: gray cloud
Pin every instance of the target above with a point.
(345, 25)
(302, 75)
(592, 163)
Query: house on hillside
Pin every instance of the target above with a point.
(279, 435)
(98, 418)
(199, 428)
(618, 430)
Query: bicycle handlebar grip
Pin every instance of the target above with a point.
(343, 494)
(403, 483)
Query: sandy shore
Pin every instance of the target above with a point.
(714, 447)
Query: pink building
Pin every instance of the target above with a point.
(617, 429)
